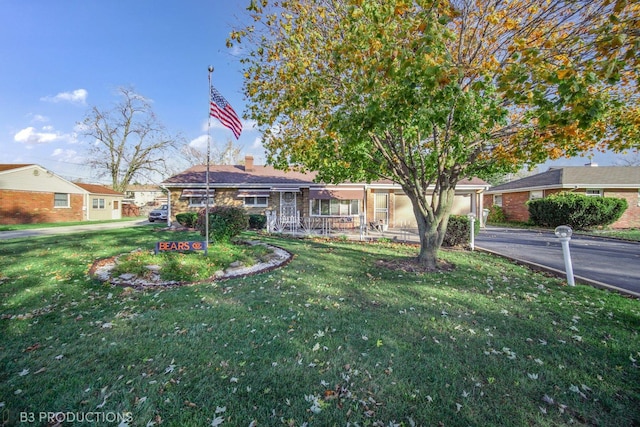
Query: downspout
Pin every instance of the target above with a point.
(169, 205)
(86, 206)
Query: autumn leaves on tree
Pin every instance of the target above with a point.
(428, 92)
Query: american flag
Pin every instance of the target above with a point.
(222, 110)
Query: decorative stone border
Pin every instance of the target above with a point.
(101, 270)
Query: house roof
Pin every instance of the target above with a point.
(570, 177)
(8, 167)
(98, 189)
(263, 176)
(236, 175)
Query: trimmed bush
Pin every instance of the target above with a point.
(257, 222)
(188, 219)
(225, 223)
(496, 215)
(576, 210)
(459, 231)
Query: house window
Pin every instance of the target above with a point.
(536, 194)
(497, 199)
(335, 207)
(256, 201)
(198, 197)
(60, 200)
(199, 202)
(98, 203)
(116, 205)
(593, 192)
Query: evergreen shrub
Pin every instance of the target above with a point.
(257, 222)
(459, 230)
(496, 215)
(225, 223)
(576, 210)
(187, 219)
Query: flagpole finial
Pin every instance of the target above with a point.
(211, 68)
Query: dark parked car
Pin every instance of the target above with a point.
(159, 214)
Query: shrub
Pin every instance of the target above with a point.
(188, 219)
(257, 222)
(225, 223)
(459, 230)
(496, 215)
(576, 210)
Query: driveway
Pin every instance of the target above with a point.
(608, 263)
(21, 234)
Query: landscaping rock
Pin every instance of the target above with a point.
(101, 269)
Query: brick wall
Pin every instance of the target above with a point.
(25, 207)
(515, 208)
(631, 217)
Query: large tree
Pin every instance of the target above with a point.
(228, 154)
(128, 142)
(428, 92)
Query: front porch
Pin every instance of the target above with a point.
(350, 227)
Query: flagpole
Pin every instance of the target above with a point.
(206, 209)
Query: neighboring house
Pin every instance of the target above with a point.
(103, 202)
(597, 181)
(293, 195)
(144, 194)
(31, 194)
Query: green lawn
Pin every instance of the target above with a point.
(333, 338)
(14, 227)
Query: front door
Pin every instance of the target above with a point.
(381, 211)
(288, 207)
(116, 213)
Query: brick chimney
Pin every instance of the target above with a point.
(248, 164)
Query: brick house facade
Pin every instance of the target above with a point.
(605, 181)
(31, 194)
(26, 207)
(260, 188)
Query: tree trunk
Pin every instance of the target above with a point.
(432, 223)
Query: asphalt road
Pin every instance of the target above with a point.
(609, 262)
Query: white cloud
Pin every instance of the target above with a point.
(37, 118)
(69, 156)
(78, 96)
(249, 125)
(30, 136)
(199, 143)
(257, 144)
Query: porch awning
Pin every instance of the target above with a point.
(199, 192)
(254, 193)
(337, 193)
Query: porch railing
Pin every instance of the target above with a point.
(334, 226)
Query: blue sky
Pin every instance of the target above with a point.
(62, 57)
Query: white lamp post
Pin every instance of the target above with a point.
(564, 233)
(472, 223)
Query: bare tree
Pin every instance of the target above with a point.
(629, 159)
(229, 154)
(128, 141)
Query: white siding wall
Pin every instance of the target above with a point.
(35, 178)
